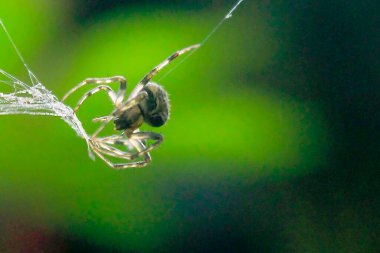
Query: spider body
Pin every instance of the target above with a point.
(153, 110)
(148, 103)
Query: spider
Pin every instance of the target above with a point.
(147, 103)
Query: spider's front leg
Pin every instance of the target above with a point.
(88, 94)
(116, 98)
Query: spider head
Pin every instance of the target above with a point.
(155, 109)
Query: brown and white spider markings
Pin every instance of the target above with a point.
(148, 102)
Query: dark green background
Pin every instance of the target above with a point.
(272, 145)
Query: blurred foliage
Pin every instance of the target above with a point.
(243, 141)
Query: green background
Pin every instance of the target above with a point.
(271, 144)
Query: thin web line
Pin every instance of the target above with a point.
(227, 16)
(13, 44)
(32, 77)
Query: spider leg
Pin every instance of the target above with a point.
(102, 119)
(112, 151)
(120, 166)
(106, 80)
(144, 136)
(114, 139)
(137, 144)
(137, 136)
(121, 140)
(88, 94)
(160, 66)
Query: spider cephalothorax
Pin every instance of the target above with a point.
(148, 102)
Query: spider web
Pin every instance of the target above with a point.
(34, 99)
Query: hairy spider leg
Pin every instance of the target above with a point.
(160, 66)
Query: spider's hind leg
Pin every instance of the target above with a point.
(144, 137)
(163, 64)
(159, 67)
(138, 139)
(102, 149)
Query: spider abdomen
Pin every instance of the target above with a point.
(156, 107)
